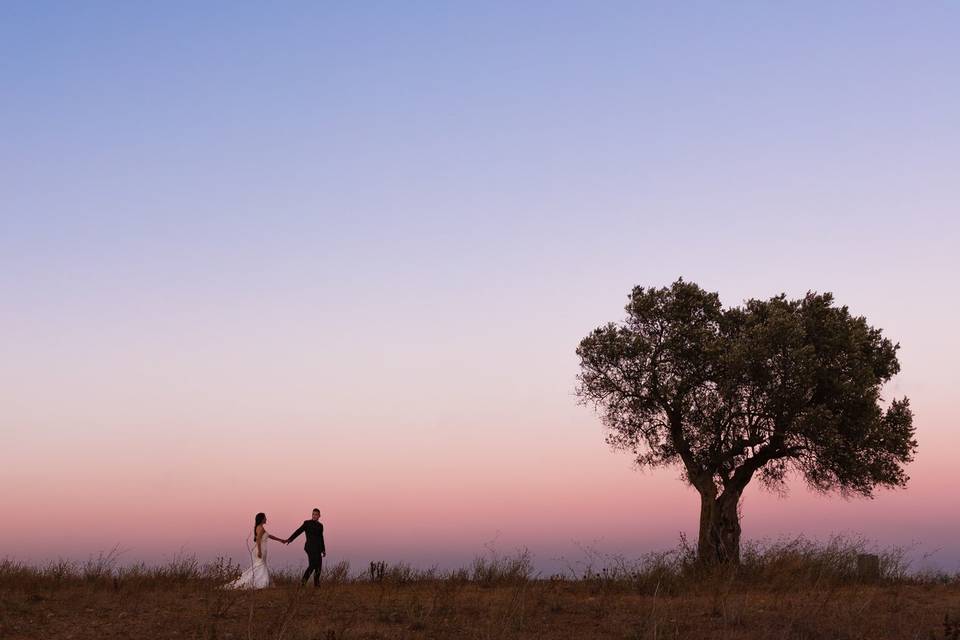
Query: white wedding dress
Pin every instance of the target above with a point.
(258, 575)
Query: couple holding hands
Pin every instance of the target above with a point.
(258, 575)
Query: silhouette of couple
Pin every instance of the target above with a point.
(258, 575)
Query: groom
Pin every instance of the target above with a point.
(314, 546)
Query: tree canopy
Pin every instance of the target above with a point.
(763, 389)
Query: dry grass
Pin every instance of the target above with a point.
(790, 590)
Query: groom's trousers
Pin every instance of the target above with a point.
(315, 564)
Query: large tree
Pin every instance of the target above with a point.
(767, 389)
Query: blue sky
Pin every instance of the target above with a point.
(402, 217)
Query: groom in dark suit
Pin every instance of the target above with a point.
(314, 546)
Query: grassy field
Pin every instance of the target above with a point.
(796, 590)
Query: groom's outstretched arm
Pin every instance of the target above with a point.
(295, 534)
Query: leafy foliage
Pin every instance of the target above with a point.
(760, 389)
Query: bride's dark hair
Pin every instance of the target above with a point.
(257, 521)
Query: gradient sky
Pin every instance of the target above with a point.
(340, 254)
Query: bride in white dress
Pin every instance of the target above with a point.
(258, 575)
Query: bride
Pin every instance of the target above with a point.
(258, 575)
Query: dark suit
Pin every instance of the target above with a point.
(314, 547)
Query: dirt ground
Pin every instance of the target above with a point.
(451, 609)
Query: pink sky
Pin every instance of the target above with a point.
(156, 463)
(271, 258)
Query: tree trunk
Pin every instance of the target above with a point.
(719, 541)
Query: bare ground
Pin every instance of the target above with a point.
(448, 608)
